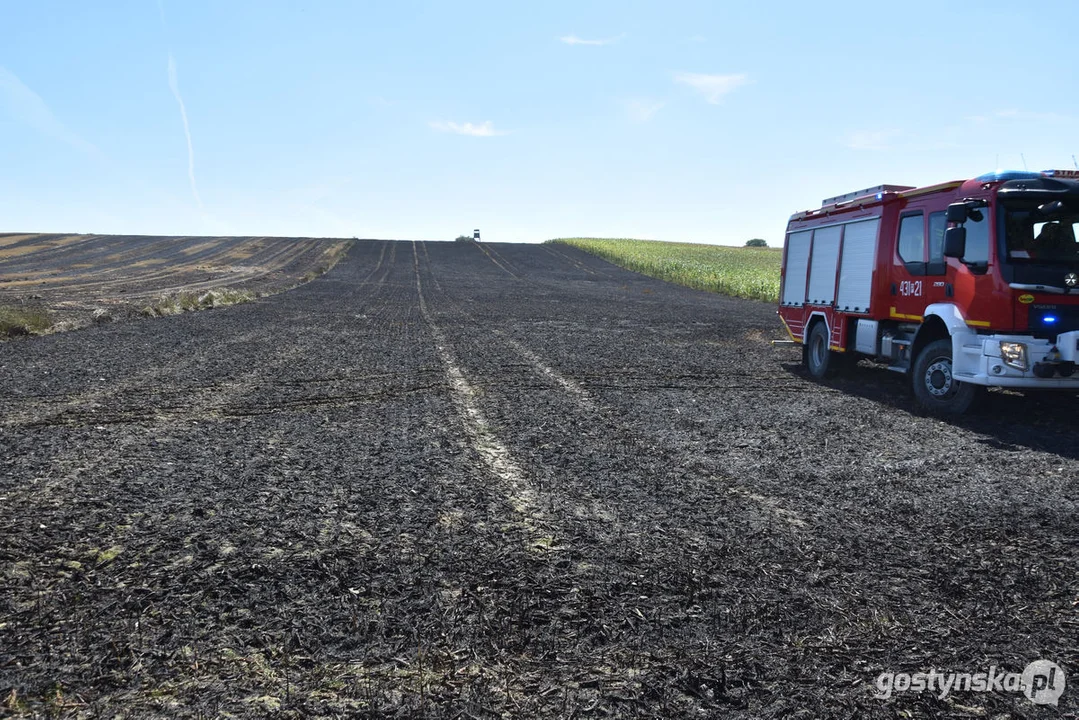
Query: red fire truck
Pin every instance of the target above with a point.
(961, 286)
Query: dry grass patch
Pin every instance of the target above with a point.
(16, 321)
(187, 301)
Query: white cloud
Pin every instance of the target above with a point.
(712, 87)
(872, 139)
(484, 129)
(642, 109)
(574, 40)
(27, 106)
(174, 85)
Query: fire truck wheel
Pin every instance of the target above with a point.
(818, 358)
(935, 387)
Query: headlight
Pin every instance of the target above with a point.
(1014, 355)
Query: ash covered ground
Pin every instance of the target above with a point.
(485, 480)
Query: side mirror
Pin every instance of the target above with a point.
(955, 241)
(957, 212)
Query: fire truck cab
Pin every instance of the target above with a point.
(961, 286)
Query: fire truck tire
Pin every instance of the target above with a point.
(934, 387)
(817, 356)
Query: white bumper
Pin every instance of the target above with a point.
(976, 360)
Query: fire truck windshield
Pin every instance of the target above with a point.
(1030, 236)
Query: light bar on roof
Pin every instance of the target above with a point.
(876, 190)
(1002, 175)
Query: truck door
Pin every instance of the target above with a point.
(964, 283)
(939, 280)
(908, 290)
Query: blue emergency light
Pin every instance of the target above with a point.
(1000, 175)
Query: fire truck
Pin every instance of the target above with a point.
(961, 286)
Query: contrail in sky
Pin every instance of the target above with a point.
(175, 87)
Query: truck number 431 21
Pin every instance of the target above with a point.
(909, 288)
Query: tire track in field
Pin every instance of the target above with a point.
(514, 270)
(365, 560)
(577, 264)
(519, 491)
(427, 259)
(602, 416)
(541, 368)
(414, 598)
(491, 257)
(632, 529)
(704, 508)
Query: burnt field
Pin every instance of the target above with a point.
(72, 276)
(461, 480)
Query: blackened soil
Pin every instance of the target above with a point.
(461, 480)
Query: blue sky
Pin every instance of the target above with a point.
(691, 121)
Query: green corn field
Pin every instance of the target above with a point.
(738, 271)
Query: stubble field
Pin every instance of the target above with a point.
(486, 480)
(68, 281)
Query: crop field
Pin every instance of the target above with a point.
(744, 272)
(61, 281)
(464, 480)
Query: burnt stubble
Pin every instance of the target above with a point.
(486, 480)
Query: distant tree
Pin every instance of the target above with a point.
(464, 238)
(756, 242)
